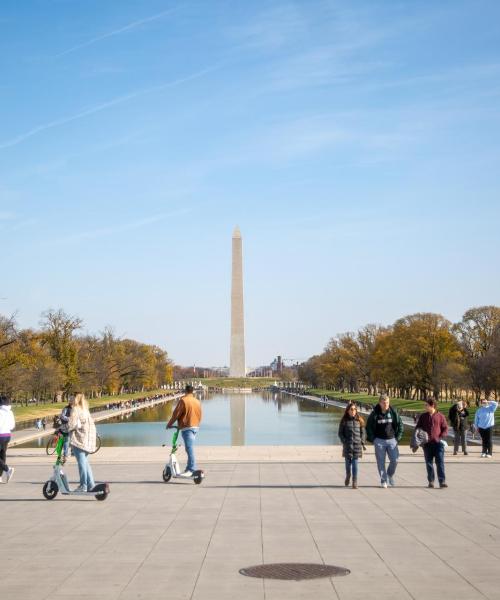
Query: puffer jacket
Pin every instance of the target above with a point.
(82, 429)
(419, 438)
(352, 436)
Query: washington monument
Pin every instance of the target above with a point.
(237, 360)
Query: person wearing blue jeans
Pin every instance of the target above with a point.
(188, 415)
(384, 429)
(87, 482)
(352, 436)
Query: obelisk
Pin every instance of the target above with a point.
(237, 359)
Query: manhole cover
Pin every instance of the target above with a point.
(294, 571)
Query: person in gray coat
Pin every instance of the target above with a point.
(352, 435)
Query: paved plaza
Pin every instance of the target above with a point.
(151, 540)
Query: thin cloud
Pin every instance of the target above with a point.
(116, 229)
(103, 106)
(123, 29)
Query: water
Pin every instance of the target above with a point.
(232, 419)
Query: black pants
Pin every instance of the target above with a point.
(4, 442)
(486, 436)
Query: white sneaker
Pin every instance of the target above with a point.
(483, 455)
(10, 472)
(187, 474)
(392, 483)
(81, 489)
(383, 484)
(488, 456)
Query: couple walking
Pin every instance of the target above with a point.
(384, 428)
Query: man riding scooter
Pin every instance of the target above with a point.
(188, 415)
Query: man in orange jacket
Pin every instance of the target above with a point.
(188, 415)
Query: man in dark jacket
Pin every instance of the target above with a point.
(385, 429)
(458, 416)
(436, 427)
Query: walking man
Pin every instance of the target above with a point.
(436, 427)
(458, 415)
(188, 415)
(385, 429)
(484, 421)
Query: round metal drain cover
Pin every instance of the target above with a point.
(294, 571)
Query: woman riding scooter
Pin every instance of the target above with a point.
(83, 441)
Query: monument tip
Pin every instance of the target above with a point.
(236, 232)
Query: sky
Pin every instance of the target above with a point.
(356, 145)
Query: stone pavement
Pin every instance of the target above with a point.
(151, 540)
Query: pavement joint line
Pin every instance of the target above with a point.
(370, 544)
(261, 530)
(428, 548)
(212, 533)
(89, 555)
(155, 545)
(444, 523)
(309, 528)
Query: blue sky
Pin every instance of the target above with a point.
(356, 144)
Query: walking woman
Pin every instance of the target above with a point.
(352, 435)
(7, 424)
(83, 441)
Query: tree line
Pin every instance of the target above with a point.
(420, 356)
(57, 359)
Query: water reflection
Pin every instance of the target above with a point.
(233, 419)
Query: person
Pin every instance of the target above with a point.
(458, 415)
(83, 441)
(44, 423)
(63, 425)
(384, 429)
(435, 426)
(188, 415)
(484, 421)
(7, 424)
(352, 436)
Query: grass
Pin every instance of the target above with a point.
(238, 382)
(49, 409)
(413, 405)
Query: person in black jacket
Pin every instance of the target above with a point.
(458, 416)
(385, 429)
(352, 436)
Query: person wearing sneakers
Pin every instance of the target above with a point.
(188, 415)
(7, 424)
(82, 430)
(436, 427)
(352, 436)
(384, 429)
(484, 421)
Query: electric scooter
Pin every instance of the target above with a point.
(173, 469)
(59, 482)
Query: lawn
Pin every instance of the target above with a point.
(49, 409)
(238, 382)
(417, 406)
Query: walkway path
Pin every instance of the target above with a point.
(22, 436)
(151, 541)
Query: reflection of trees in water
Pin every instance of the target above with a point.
(160, 412)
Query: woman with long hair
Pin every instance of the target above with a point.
(83, 441)
(352, 435)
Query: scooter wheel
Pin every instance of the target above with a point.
(167, 474)
(198, 477)
(103, 491)
(50, 489)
